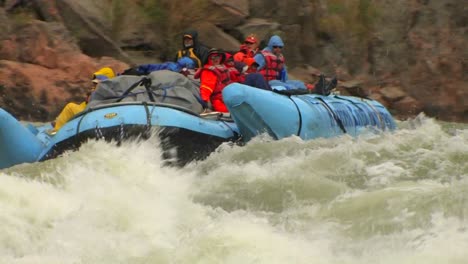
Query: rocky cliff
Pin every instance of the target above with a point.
(409, 54)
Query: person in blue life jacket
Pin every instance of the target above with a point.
(192, 48)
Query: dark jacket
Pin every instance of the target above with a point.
(199, 50)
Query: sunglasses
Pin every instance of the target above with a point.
(277, 47)
(248, 43)
(214, 57)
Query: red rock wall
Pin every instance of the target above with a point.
(408, 54)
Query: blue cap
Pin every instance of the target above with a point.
(99, 78)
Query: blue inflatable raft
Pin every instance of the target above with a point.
(169, 102)
(307, 116)
(126, 107)
(193, 136)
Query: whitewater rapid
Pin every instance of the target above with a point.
(399, 197)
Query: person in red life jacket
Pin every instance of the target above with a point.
(247, 50)
(239, 73)
(214, 76)
(192, 48)
(270, 61)
(234, 73)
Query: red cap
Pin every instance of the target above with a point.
(251, 38)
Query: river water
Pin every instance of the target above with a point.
(399, 197)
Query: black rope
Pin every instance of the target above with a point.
(334, 115)
(300, 118)
(365, 100)
(143, 81)
(77, 141)
(297, 107)
(148, 119)
(147, 83)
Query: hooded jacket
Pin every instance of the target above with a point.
(271, 66)
(197, 51)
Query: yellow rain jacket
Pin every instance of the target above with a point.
(72, 109)
(69, 111)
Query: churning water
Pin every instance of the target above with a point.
(399, 197)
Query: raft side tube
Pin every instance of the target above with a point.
(141, 115)
(17, 143)
(266, 118)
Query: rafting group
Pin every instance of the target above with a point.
(201, 99)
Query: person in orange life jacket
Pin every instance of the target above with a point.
(72, 109)
(192, 48)
(239, 73)
(247, 50)
(214, 76)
